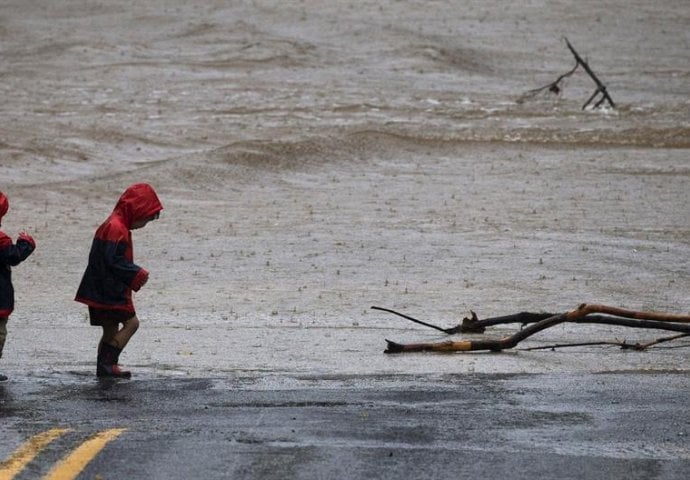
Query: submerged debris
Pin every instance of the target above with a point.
(556, 86)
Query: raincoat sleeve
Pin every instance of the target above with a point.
(11, 254)
(127, 272)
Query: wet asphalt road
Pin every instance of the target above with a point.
(631, 425)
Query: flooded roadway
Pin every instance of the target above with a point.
(626, 425)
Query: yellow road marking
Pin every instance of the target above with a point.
(70, 466)
(24, 454)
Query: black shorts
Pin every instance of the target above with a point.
(100, 316)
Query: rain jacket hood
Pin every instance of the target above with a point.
(138, 202)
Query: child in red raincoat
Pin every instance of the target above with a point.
(112, 275)
(10, 256)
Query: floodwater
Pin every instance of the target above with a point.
(318, 158)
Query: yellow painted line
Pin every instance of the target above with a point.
(72, 465)
(27, 452)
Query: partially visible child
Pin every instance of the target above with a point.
(10, 256)
(111, 275)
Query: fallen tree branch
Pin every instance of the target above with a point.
(556, 87)
(445, 330)
(553, 87)
(662, 340)
(474, 325)
(624, 345)
(497, 345)
(641, 315)
(601, 88)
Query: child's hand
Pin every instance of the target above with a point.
(23, 236)
(140, 280)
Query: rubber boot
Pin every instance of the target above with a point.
(106, 364)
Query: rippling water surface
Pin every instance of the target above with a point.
(125, 82)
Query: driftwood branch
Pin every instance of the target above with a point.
(623, 345)
(601, 88)
(475, 325)
(664, 321)
(556, 86)
(445, 330)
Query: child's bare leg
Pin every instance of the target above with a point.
(119, 337)
(3, 333)
(110, 329)
(3, 336)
